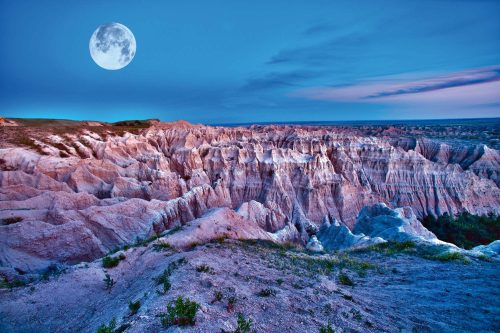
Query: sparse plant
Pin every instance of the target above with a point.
(345, 280)
(204, 269)
(244, 325)
(164, 277)
(266, 292)
(51, 270)
(356, 314)
(12, 284)
(279, 281)
(181, 312)
(108, 282)
(107, 328)
(231, 302)
(326, 329)
(134, 306)
(162, 246)
(217, 296)
(110, 262)
(447, 256)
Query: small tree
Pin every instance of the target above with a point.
(109, 282)
(181, 312)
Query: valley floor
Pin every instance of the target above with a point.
(281, 289)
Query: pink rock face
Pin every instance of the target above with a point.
(91, 192)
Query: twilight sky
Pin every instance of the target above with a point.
(254, 61)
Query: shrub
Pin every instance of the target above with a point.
(345, 280)
(326, 329)
(134, 306)
(109, 282)
(180, 312)
(447, 256)
(162, 246)
(465, 230)
(12, 284)
(230, 303)
(107, 328)
(217, 296)
(164, 277)
(390, 247)
(110, 262)
(266, 292)
(204, 269)
(244, 325)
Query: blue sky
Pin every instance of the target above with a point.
(254, 61)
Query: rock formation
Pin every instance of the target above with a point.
(73, 194)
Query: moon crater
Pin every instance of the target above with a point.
(112, 46)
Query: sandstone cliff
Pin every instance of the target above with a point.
(76, 195)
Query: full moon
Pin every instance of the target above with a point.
(112, 46)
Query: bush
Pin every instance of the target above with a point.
(162, 246)
(326, 329)
(447, 256)
(181, 312)
(217, 296)
(134, 306)
(110, 262)
(266, 292)
(204, 269)
(107, 328)
(244, 325)
(164, 277)
(109, 282)
(345, 280)
(230, 303)
(465, 230)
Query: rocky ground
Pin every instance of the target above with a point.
(278, 288)
(210, 214)
(71, 192)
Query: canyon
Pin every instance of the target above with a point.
(72, 192)
(291, 228)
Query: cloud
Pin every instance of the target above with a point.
(318, 29)
(279, 79)
(473, 87)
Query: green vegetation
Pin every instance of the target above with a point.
(326, 329)
(447, 256)
(217, 296)
(390, 247)
(465, 230)
(345, 280)
(430, 252)
(6, 284)
(164, 277)
(134, 306)
(244, 325)
(110, 262)
(231, 302)
(204, 269)
(51, 270)
(180, 312)
(266, 292)
(108, 282)
(107, 328)
(162, 246)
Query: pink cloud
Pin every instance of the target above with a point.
(473, 87)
